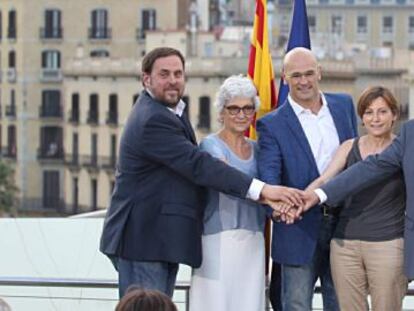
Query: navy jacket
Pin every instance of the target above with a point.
(285, 158)
(156, 208)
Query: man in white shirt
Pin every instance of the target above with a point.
(297, 142)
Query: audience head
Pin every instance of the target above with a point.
(145, 300)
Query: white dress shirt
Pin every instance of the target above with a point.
(320, 130)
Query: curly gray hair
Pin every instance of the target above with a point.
(237, 86)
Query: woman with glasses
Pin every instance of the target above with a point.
(231, 277)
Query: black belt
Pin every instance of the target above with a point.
(329, 210)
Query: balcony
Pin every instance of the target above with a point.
(109, 164)
(50, 151)
(100, 33)
(140, 34)
(72, 161)
(11, 111)
(91, 163)
(11, 33)
(74, 117)
(11, 75)
(55, 33)
(47, 112)
(112, 118)
(93, 117)
(9, 152)
(50, 75)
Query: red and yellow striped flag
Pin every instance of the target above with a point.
(260, 64)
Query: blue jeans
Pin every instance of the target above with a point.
(147, 274)
(298, 282)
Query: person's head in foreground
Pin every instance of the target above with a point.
(145, 300)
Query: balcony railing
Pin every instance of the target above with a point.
(50, 151)
(11, 75)
(51, 33)
(11, 33)
(93, 117)
(72, 159)
(109, 163)
(9, 152)
(50, 113)
(51, 75)
(74, 116)
(11, 111)
(112, 118)
(102, 33)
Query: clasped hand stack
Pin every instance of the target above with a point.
(288, 204)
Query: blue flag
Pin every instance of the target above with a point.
(298, 37)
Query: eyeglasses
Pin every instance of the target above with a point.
(235, 110)
(298, 75)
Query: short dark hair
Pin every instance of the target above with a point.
(145, 300)
(373, 92)
(150, 58)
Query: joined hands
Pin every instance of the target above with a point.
(288, 204)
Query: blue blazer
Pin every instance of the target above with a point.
(398, 156)
(157, 207)
(285, 158)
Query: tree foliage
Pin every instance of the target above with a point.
(8, 190)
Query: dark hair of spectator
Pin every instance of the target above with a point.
(145, 300)
(150, 58)
(373, 92)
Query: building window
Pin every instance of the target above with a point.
(113, 150)
(99, 25)
(11, 108)
(51, 59)
(51, 106)
(94, 194)
(148, 22)
(11, 141)
(411, 24)
(75, 195)
(52, 28)
(204, 113)
(12, 60)
(74, 112)
(1, 27)
(99, 53)
(387, 24)
(11, 71)
(51, 190)
(312, 23)
(375, 1)
(94, 149)
(362, 24)
(12, 30)
(93, 113)
(112, 117)
(336, 24)
(51, 142)
(75, 148)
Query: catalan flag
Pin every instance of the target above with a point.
(260, 64)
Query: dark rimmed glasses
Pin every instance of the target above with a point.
(235, 110)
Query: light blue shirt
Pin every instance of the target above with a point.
(226, 212)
